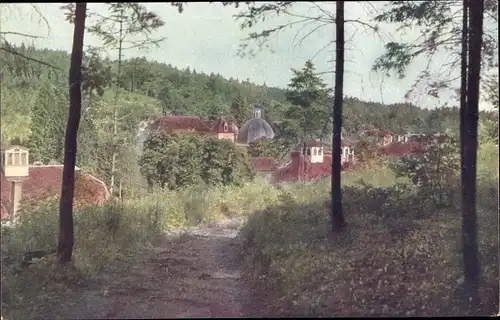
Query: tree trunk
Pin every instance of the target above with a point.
(469, 156)
(463, 78)
(338, 221)
(115, 112)
(66, 237)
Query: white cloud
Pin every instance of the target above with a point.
(206, 37)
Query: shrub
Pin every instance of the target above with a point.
(177, 161)
(367, 151)
(435, 171)
(385, 262)
(106, 235)
(223, 162)
(264, 148)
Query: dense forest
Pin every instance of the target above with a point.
(35, 103)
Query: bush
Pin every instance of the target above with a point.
(434, 171)
(264, 148)
(385, 263)
(105, 235)
(367, 151)
(177, 161)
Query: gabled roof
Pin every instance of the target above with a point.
(218, 126)
(45, 182)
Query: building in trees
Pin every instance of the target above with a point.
(255, 129)
(381, 137)
(222, 128)
(25, 184)
(311, 162)
(264, 165)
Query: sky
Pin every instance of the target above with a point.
(206, 37)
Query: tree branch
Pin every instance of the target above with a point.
(9, 49)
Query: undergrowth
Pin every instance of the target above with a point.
(106, 235)
(399, 256)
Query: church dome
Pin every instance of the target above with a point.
(255, 129)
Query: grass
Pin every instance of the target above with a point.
(107, 235)
(400, 256)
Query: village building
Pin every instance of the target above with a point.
(254, 129)
(382, 138)
(222, 128)
(347, 147)
(311, 162)
(25, 184)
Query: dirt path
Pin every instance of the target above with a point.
(194, 274)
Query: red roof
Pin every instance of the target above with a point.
(45, 182)
(167, 123)
(264, 164)
(313, 143)
(398, 149)
(300, 168)
(218, 126)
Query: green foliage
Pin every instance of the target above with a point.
(241, 106)
(367, 151)
(140, 97)
(47, 137)
(488, 131)
(223, 162)
(176, 161)
(264, 148)
(96, 74)
(440, 30)
(385, 253)
(490, 87)
(128, 18)
(435, 171)
(172, 161)
(106, 236)
(309, 97)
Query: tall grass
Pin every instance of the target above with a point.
(388, 262)
(107, 234)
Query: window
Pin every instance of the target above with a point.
(17, 159)
(226, 127)
(315, 152)
(320, 152)
(24, 159)
(308, 151)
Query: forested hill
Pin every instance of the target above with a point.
(188, 92)
(34, 105)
